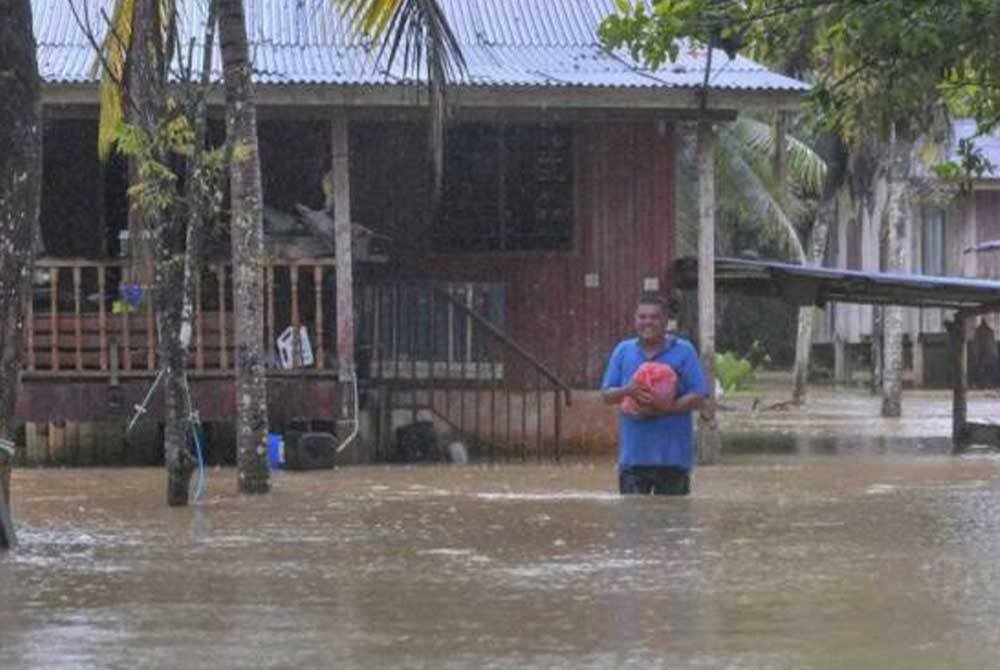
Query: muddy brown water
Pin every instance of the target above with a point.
(800, 556)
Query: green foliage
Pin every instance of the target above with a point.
(733, 372)
(972, 163)
(874, 63)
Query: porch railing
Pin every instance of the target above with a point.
(440, 349)
(81, 323)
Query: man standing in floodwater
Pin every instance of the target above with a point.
(655, 445)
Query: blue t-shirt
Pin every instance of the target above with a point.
(660, 440)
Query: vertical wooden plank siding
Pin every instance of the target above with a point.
(623, 200)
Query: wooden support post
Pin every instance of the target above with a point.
(956, 329)
(839, 358)
(709, 444)
(919, 365)
(7, 537)
(340, 153)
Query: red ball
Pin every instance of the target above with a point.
(657, 378)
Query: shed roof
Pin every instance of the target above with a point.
(809, 285)
(506, 43)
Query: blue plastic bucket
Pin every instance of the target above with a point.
(276, 450)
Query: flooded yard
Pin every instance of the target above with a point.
(794, 558)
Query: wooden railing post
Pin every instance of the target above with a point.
(956, 329)
(77, 317)
(293, 278)
(199, 325)
(223, 352)
(54, 319)
(102, 318)
(269, 283)
(320, 354)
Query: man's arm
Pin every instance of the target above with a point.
(650, 405)
(616, 394)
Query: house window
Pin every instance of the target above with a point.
(932, 241)
(506, 188)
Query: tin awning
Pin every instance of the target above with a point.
(810, 285)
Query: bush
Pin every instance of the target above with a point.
(733, 372)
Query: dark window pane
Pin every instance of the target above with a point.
(506, 188)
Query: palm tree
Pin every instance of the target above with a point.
(20, 186)
(247, 235)
(418, 31)
(789, 205)
(133, 77)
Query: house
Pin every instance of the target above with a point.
(557, 211)
(947, 226)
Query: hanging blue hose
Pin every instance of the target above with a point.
(202, 480)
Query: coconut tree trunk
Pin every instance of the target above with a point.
(897, 257)
(20, 188)
(163, 230)
(826, 216)
(247, 252)
(709, 443)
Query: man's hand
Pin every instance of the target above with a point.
(651, 405)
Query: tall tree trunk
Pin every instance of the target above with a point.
(247, 252)
(807, 315)
(709, 444)
(163, 230)
(827, 215)
(20, 189)
(897, 250)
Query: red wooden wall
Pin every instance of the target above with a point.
(623, 189)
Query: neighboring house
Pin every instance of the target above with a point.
(944, 230)
(557, 209)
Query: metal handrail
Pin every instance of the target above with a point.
(506, 341)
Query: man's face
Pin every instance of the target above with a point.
(650, 323)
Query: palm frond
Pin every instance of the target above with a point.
(806, 167)
(753, 191)
(111, 62)
(419, 33)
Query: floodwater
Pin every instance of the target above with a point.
(798, 556)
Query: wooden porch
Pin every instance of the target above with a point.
(426, 350)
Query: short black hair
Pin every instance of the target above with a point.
(653, 299)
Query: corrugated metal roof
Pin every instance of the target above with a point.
(810, 285)
(506, 43)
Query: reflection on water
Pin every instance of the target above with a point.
(788, 558)
(794, 443)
